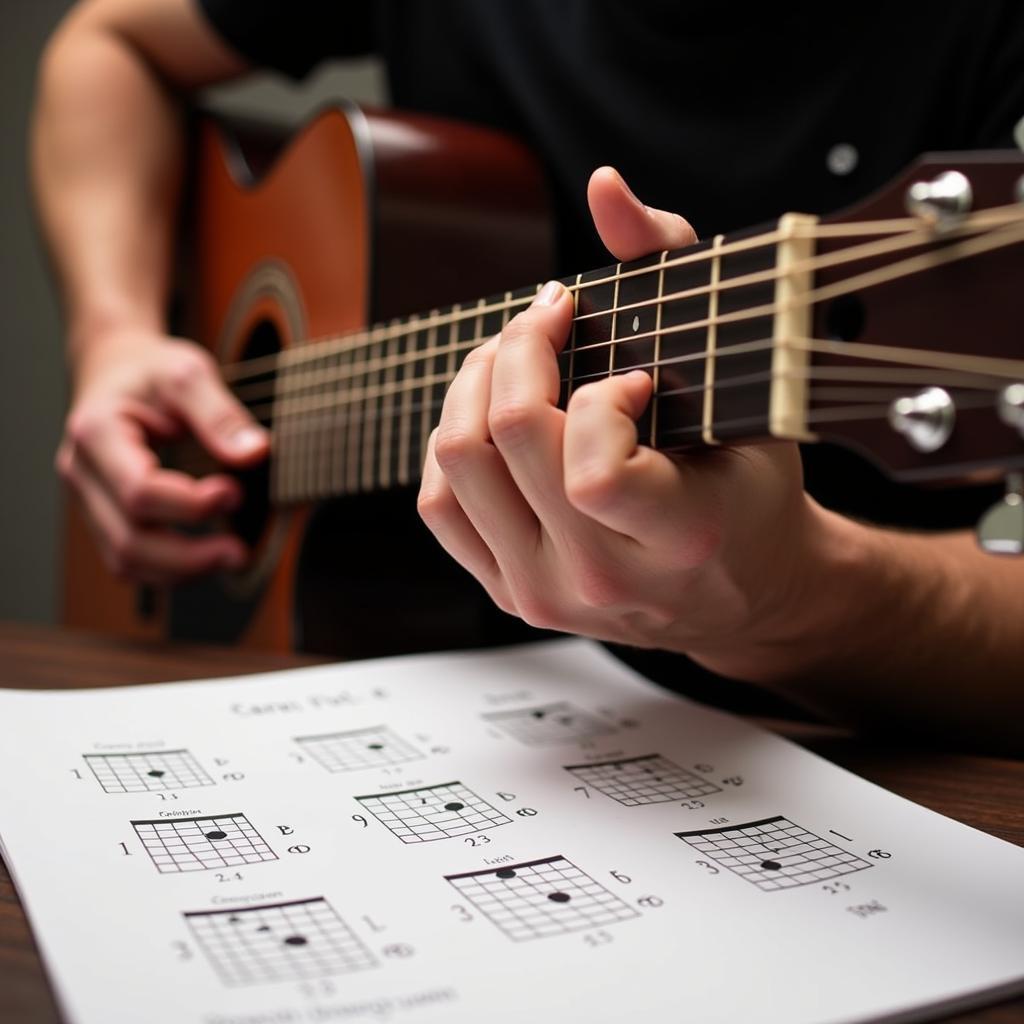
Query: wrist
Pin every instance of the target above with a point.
(816, 602)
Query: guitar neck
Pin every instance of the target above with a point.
(708, 322)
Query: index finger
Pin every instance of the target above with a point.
(128, 468)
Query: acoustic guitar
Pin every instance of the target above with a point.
(892, 328)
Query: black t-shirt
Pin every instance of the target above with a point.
(730, 115)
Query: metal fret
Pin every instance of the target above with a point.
(372, 354)
(707, 420)
(405, 421)
(615, 319)
(656, 372)
(387, 416)
(354, 423)
(426, 390)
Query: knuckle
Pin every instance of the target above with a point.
(433, 505)
(189, 367)
(511, 422)
(537, 611)
(453, 448)
(596, 588)
(82, 426)
(593, 485)
(476, 357)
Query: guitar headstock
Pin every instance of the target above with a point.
(917, 352)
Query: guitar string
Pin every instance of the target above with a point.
(287, 404)
(285, 387)
(318, 463)
(330, 344)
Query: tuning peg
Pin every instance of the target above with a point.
(941, 201)
(1000, 530)
(926, 419)
(1010, 406)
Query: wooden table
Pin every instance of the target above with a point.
(985, 792)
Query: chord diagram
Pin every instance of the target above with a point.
(278, 942)
(774, 853)
(433, 812)
(152, 771)
(198, 844)
(540, 898)
(651, 779)
(549, 723)
(376, 747)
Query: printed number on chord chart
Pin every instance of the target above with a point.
(433, 812)
(774, 853)
(289, 941)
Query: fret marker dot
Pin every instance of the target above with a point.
(636, 323)
(216, 834)
(559, 897)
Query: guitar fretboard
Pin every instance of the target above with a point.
(354, 414)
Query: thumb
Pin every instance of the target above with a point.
(627, 227)
(220, 422)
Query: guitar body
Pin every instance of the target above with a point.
(358, 218)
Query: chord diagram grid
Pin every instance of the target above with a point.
(376, 747)
(278, 942)
(433, 812)
(651, 779)
(774, 853)
(148, 772)
(550, 723)
(198, 844)
(541, 898)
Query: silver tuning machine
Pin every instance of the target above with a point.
(941, 202)
(1000, 530)
(926, 419)
(1010, 406)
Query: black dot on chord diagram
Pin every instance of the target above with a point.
(541, 898)
(774, 853)
(650, 779)
(147, 772)
(177, 845)
(426, 813)
(376, 747)
(551, 723)
(278, 942)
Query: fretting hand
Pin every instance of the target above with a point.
(134, 388)
(572, 525)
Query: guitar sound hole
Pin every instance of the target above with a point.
(844, 318)
(257, 394)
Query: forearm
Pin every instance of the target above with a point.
(107, 154)
(924, 633)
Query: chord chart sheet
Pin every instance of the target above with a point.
(774, 853)
(541, 898)
(526, 834)
(358, 749)
(198, 844)
(433, 812)
(149, 772)
(278, 942)
(643, 780)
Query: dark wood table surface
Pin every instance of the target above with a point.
(985, 792)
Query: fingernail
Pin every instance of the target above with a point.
(549, 294)
(247, 439)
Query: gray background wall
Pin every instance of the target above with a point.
(32, 382)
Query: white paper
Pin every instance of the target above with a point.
(228, 852)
